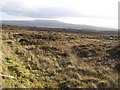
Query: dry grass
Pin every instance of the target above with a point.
(54, 59)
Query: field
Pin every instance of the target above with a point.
(48, 59)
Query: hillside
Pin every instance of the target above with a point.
(54, 24)
(49, 59)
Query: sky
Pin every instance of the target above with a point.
(103, 13)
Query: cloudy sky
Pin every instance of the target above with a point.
(102, 13)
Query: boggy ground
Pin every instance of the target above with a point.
(48, 59)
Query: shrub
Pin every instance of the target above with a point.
(117, 67)
(115, 52)
(102, 84)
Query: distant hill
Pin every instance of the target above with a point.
(64, 30)
(53, 24)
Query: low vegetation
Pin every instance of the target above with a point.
(49, 59)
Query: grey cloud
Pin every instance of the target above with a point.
(16, 9)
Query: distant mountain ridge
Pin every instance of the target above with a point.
(52, 24)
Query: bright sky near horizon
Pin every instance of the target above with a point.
(102, 13)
